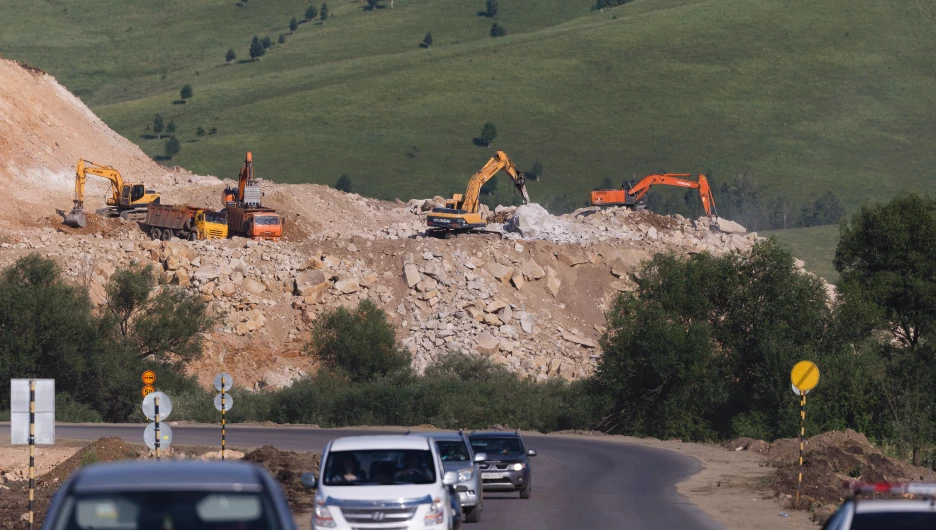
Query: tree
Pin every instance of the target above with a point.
(293, 24)
(173, 147)
(537, 170)
(200, 131)
(372, 4)
(257, 50)
(359, 345)
(781, 213)
(311, 13)
(213, 130)
(605, 184)
(886, 255)
(282, 38)
(497, 30)
(344, 183)
(186, 92)
(171, 128)
(825, 210)
(427, 40)
(158, 125)
(491, 8)
(489, 187)
(230, 55)
(323, 12)
(488, 134)
(266, 42)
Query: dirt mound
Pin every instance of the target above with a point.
(830, 458)
(287, 467)
(103, 450)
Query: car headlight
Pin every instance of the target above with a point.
(465, 475)
(518, 466)
(322, 518)
(436, 513)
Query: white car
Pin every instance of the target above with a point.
(915, 509)
(376, 482)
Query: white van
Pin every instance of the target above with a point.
(376, 482)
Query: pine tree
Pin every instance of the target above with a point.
(173, 147)
(293, 24)
(171, 128)
(282, 38)
(230, 55)
(497, 30)
(323, 13)
(311, 13)
(492, 8)
(158, 125)
(488, 134)
(266, 42)
(256, 49)
(428, 40)
(344, 183)
(537, 170)
(186, 92)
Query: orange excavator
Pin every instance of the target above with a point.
(632, 195)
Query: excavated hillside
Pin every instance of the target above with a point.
(531, 293)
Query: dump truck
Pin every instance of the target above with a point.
(246, 216)
(164, 221)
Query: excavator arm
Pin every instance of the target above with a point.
(85, 168)
(125, 199)
(498, 162)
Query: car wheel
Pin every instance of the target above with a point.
(473, 515)
(526, 492)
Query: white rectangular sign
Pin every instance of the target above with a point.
(45, 412)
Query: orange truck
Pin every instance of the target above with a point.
(246, 216)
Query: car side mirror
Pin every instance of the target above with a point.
(308, 479)
(531, 452)
(450, 478)
(480, 457)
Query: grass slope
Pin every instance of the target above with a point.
(812, 95)
(814, 245)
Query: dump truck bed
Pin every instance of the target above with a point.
(169, 216)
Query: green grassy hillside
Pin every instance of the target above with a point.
(814, 96)
(814, 245)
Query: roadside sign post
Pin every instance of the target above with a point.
(157, 407)
(223, 403)
(32, 422)
(805, 377)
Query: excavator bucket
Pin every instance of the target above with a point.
(76, 219)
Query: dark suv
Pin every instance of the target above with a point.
(507, 467)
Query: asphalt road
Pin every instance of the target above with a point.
(577, 483)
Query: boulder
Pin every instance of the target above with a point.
(552, 281)
(583, 341)
(206, 273)
(411, 274)
(181, 279)
(528, 220)
(501, 272)
(253, 286)
(486, 343)
(495, 306)
(531, 270)
(277, 381)
(347, 286)
(517, 280)
(505, 314)
(730, 227)
(571, 257)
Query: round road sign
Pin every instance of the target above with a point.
(228, 381)
(805, 375)
(149, 406)
(228, 402)
(796, 391)
(147, 390)
(165, 435)
(149, 377)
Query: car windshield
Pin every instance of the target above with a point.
(380, 467)
(495, 446)
(452, 450)
(266, 220)
(214, 217)
(178, 510)
(894, 520)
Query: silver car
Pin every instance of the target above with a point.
(458, 456)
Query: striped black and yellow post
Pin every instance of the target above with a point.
(32, 449)
(802, 441)
(222, 418)
(156, 413)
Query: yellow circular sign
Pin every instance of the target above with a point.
(149, 377)
(805, 376)
(147, 390)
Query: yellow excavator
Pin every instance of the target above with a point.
(461, 212)
(128, 201)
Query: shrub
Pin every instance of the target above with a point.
(311, 13)
(359, 345)
(497, 30)
(344, 183)
(230, 55)
(200, 131)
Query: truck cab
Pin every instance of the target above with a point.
(211, 225)
(384, 482)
